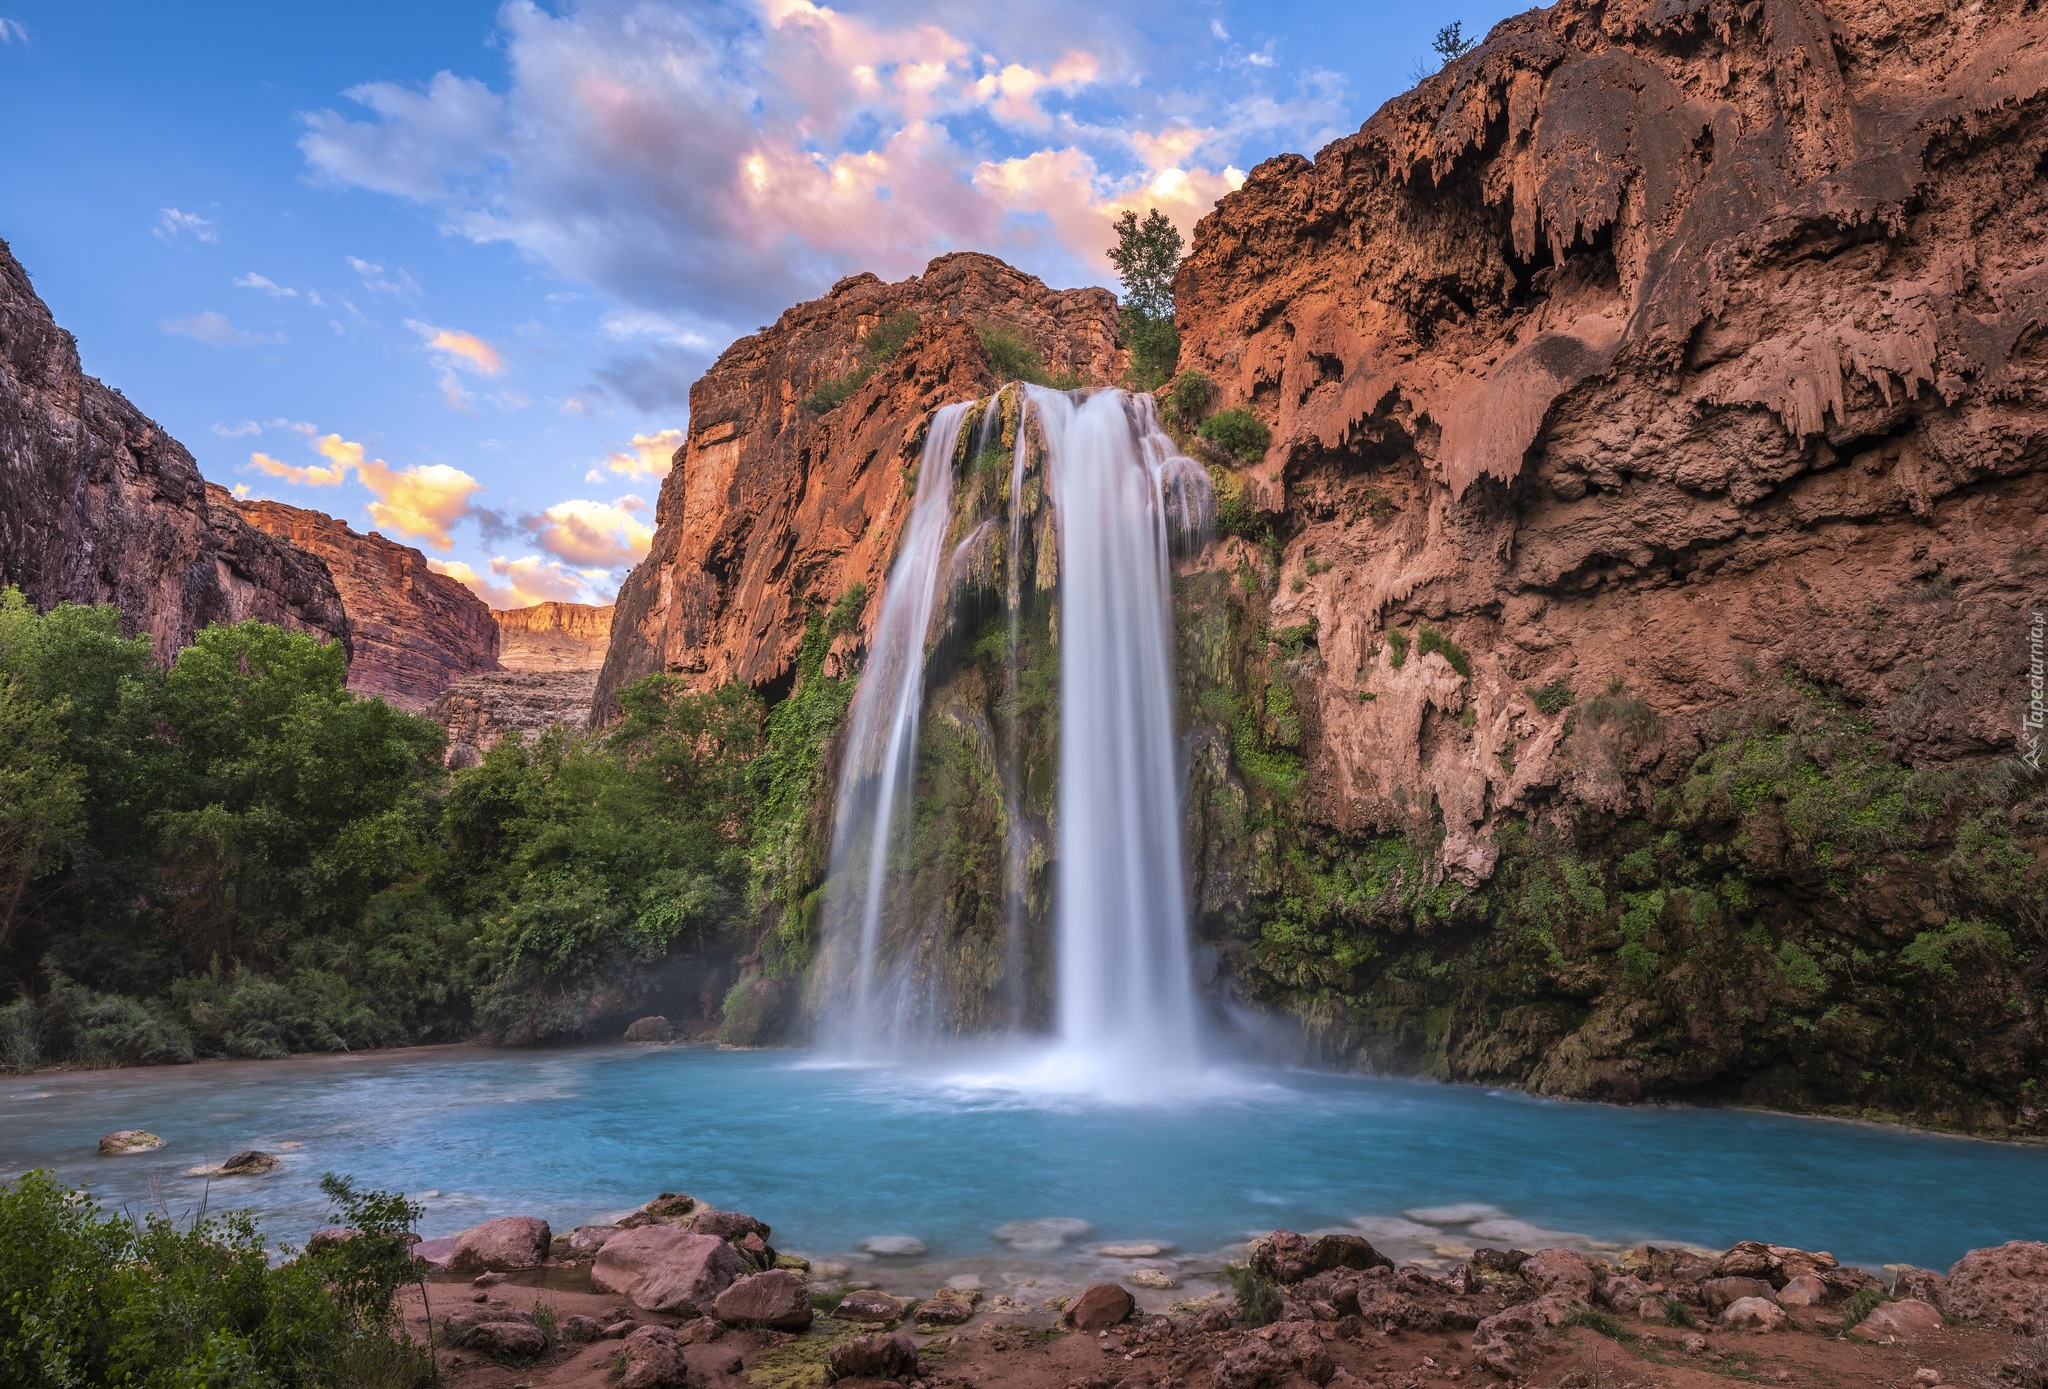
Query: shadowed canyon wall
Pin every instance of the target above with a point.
(416, 632)
(99, 505)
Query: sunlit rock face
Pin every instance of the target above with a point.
(99, 505)
(416, 632)
(553, 636)
(1655, 347)
(774, 505)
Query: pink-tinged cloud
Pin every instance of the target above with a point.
(465, 350)
(650, 455)
(593, 534)
(705, 169)
(523, 582)
(421, 503)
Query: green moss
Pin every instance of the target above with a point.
(1553, 698)
(1397, 647)
(1013, 358)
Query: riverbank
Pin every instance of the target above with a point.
(702, 1298)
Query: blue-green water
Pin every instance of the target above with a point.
(833, 1156)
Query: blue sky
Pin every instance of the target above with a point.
(447, 269)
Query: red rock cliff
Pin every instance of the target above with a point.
(1667, 344)
(553, 636)
(772, 506)
(416, 632)
(99, 505)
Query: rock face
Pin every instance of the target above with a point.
(99, 505)
(415, 631)
(2006, 1286)
(772, 507)
(553, 636)
(505, 1245)
(1647, 345)
(481, 710)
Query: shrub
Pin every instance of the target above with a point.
(1013, 358)
(1189, 396)
(883, 342)
(1237, 431)
(1552, 698)
(1397, 644)
(1258, 1299)
(1428, 639)
(1676, 1313)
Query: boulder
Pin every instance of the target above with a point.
(2005, 1286)
(578, 1329)
(327, 1237)
(877, 1356)
(1720, 1293)
(585, 1240)
(1100, 1307)
(1753, 1314)
(653, 1360)
(248, 1163)
(506, 1340)
(666, 1270)
(935, 1312)
(870, 1307)
(1269, 1357)
(505, 1245)
(650, 1030)
(777, 1298)
(1510, 1343)
(1345, 1251)
(727, 1225)
(1624, 1292)
(1922, 1283)
(129, 1141)
(1807, 1290)
(1157, 1279)
(1749, 1259)
(1563, 1271)
(1904, 1320)
(669, 1208)
(435, 1253)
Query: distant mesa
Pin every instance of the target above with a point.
(554, 636)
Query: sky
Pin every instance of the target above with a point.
(447, 269)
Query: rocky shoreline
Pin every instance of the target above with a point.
(681, 1295)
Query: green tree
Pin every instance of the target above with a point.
(1450, 42)
(1146, 255)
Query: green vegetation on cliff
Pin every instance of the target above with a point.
(1797, 920)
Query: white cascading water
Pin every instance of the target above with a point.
(1125, 1008)
(881, 746)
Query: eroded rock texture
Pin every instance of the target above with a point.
(99, 505)
(1667, 344)
(773, 507)
(553, 636)
(416, 632)
(479, 711)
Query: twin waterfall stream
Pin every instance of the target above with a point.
(1040, 538)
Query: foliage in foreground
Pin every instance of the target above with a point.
(91, 1297)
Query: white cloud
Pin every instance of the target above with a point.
(377, 282)
(593, 534)
(647, 455)
(252, 280)
(12, 32)
(171, 224)
(526, 581)
(215, 330)
(704, 168)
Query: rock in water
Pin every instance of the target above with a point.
(1157, 1279)
(248, 1163)
(777, 1299)
(651, 1030)
(727, 1225)
(1099, 1308)
(667, 1270)
(878, 1356)
(869, 1306)
(506, 1245)
(129, 1141)
(654, 1360)
(894, 1246)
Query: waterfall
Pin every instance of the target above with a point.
(1126, 989)
(881, 744)
(1120, 495)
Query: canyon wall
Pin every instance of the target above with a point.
(553, 636)
(415, 631)
(99, 505)
(775, 507)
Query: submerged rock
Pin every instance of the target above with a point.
(129, 1141)
(894, 1246)
(650, 1030)
(1042, 1236)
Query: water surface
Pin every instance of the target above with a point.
(831, 1157)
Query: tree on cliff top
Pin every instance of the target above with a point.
(1146, 255)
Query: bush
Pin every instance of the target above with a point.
(1189, 396)
(1428, 639)
(1553, 698)
(1397, 645)
(883, 342)
(1012, 357)
(1237, 431)
(91, 1298)
(1258, 1298)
